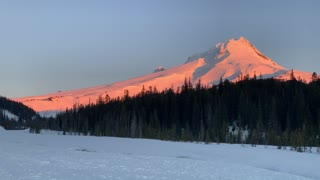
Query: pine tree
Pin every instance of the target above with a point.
(133, 127)
(314, 76)
(292, 77)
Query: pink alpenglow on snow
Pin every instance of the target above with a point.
(228, 60)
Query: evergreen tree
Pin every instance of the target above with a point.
(292, 76)
(314, 76)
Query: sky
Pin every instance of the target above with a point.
(48, 46)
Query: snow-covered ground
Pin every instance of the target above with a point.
(52, 156)
(48, 114)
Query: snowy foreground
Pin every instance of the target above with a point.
(53, 156)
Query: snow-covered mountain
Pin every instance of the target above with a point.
(228, 60)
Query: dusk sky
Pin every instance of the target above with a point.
(47, 46)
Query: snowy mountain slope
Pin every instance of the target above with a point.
(229, 60)
(51, 156)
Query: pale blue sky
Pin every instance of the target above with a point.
(47, 46)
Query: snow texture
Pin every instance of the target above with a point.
(51, 156)
(10, 115)
(48, 114)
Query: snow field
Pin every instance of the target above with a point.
(53, 156)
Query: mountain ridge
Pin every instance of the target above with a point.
(228, 60)
(15, 115)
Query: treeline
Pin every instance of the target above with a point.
(254, 111)
(25, 115)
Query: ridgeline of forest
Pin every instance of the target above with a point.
(253, 111)
(24, 114)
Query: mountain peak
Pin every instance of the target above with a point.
(240, 48)
(243, 46)
(241, 39)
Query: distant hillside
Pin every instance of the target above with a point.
(15, 115)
